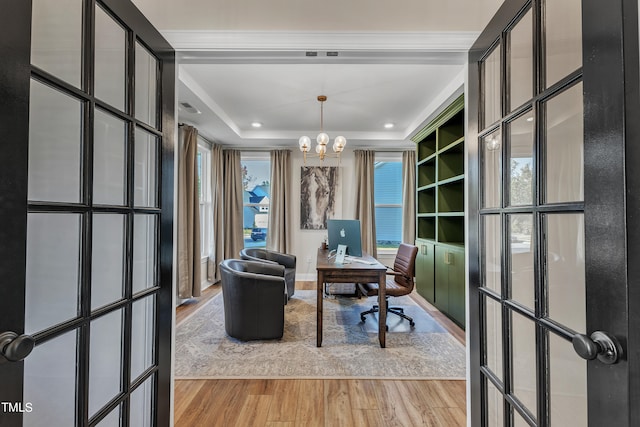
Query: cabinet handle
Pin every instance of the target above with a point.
(424, 249)
(448, 258)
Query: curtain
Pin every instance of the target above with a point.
(409, 196)
(216, 254)
(279, 234)
(232, 205)
(188, 215)
(365, 201)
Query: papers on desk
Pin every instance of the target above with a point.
(356, 259)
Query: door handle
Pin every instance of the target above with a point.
(600, 344)
(14, 348)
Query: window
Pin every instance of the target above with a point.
(203, 160)
(256, 173)
(388, 200)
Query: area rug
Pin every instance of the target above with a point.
(349, 349)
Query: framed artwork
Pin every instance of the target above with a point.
(320, 196)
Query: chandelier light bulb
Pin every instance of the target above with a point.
(305, 143)
(322, 139)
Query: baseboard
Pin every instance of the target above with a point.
(308, 277)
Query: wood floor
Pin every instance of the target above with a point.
(323, 402)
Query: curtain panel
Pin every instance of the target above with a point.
(409, 196)
(279, 235)
(232, 205)
(216, 252)
(188, 215)
(365, 200)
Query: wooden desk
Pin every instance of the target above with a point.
(354, 272)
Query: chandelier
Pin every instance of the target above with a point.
(322, 139)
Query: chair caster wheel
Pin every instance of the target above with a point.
(386, 328)
(413, 324)
(362, 318)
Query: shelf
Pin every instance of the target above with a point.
(427, 159)
(451, 162)
(427, 173)
(451, 197)
(452, 130)
(452, 146)
(426, 227)
(427, 146)
(451, 229)
(427, 200)
(450, 180)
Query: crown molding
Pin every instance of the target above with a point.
(431, 41)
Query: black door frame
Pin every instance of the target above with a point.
(610, 77)
(15, 77)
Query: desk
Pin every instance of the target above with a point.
(355, 272)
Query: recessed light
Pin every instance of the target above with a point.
(389, 125)
(256, 124)
(529, 119)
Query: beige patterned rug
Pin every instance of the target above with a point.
(350, 348)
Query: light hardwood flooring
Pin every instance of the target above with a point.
(322, 402)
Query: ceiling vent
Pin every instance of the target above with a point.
(332, 53)
(310, 53)
(189, 108)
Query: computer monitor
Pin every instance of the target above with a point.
(345, 232)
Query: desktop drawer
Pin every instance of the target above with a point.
(344, 276)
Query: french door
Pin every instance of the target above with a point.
(553, 251)
(86, 121)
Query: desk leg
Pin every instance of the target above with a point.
(382, 303)
(320, 287)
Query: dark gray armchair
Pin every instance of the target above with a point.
(254, 298)
(286, 260)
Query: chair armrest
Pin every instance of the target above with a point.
(260, 267)
(287, 260)
(256, 259)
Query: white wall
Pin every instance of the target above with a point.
(306, 242)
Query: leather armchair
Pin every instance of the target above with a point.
(254, 298)
(286, 260)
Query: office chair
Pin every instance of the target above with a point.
(399, 282)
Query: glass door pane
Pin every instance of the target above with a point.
(146, 85)
(521, 247)
(521, 161)
(109, 160)
(107, 266)
(110, 60)
(105, 360)
(564, 159)
(521, 61)
(563, 43)
(568, 384)
(491, 158)
(49, 382)
(56, 38)
(491, 87)
(53, 269)
(565, 261)
(55, 141)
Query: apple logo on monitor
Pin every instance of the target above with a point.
(342, 233)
